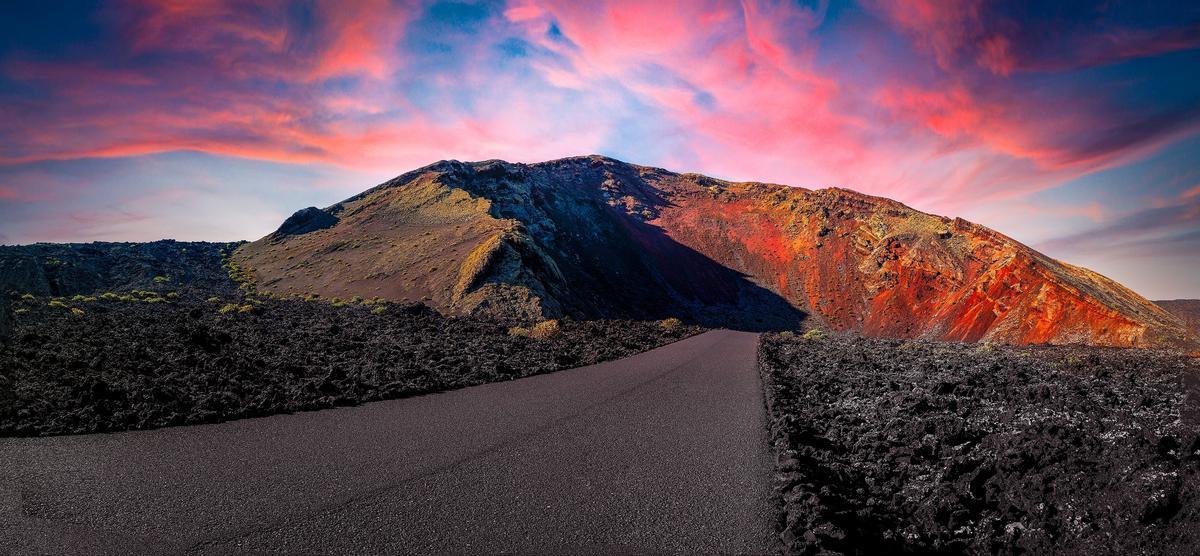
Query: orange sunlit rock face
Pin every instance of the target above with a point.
(870, 264)
(593, 237)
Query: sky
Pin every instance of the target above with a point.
(1071, 126)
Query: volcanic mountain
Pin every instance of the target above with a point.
(1186, 310)
(593, 237)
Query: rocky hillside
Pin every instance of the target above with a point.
(1186, 310)
(65, 269)
(596, 237)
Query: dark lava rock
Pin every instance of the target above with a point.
(119, 365)
(887, 446)
(67, 269)
(5, 316)
(304, 221)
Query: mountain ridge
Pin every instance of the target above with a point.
(596, 237)
(1186, 310)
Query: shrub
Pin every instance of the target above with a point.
(28, 297)
(518, 331)
(79, 298)
(57, 303)
(155, 300)
(477, 262)
(814, 334)
(670, 323)
(172, 295)
(246, 309)
(1074, 360)
(787, 335)
(545, 329)
(356, 299)
(378, 310)
(161, 279)
(128, 298)
(109, 296)
(228, 308)
(20, 311)
(213, 299)
(76, 311)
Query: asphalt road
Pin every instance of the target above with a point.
(661, 452)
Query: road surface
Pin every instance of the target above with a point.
(665, 451)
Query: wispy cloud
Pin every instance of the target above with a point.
(1172, 229)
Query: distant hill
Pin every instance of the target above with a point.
(1186, 310)
(595, 237)
(64, 269)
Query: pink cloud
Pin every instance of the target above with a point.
(255, 39)
(996, 55)
(733, 88)
(942, 28)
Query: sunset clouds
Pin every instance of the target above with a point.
(969, 108)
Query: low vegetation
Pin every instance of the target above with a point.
(814, 334)
(545, 329)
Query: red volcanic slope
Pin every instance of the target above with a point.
(872, 264)
(595, 237)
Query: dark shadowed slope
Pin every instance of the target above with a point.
(662, 451)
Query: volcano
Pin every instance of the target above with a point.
(594, 237)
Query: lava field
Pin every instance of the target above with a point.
(888, 446)
(96, 364)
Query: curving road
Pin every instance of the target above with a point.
(665, 451)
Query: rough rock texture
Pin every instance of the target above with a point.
(5, 317)
(304, 221)
(1186, 310)
(888, 446)
(66, 269)
(117, 365)
(595, 237)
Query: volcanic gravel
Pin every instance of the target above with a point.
(889, 446)
(136, 365)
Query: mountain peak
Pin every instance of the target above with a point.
(594, 237)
